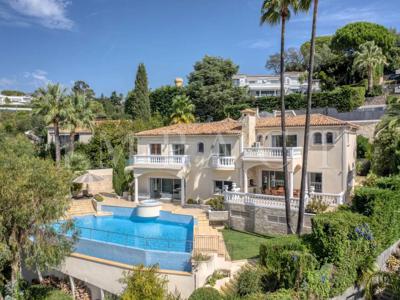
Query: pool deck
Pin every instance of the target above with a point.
(207, 239)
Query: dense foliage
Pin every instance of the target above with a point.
(205, 293)
(162, 97)
(27, 235)
(144, 284)
(210, 87)
(120, 180)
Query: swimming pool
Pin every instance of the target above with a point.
(123, 237)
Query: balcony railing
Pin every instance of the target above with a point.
(222, 161)
(271, 152)
(161, 160)
(259, 200)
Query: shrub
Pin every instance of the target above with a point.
(316, 206)
(99, 198)
(377, 90)
(201, 257)
(386, 154)
(205, 293)
(363, 146)
(317, 283)
(344, 239)
(270, 250)
(192, 201)
(388, 183)
(217, 275)
(286, 294)
(392, 99)
(249, 281)
(254, 296)
(216, 203)
(363, 167)
(144, 283)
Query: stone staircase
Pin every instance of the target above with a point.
(229, 289)
(81, 208)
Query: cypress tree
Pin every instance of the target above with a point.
(138, 103)
(119, 179)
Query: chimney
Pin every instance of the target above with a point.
(248, 119)
(178, 82)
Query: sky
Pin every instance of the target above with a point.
(103, 41)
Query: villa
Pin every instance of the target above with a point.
(244, 159)
(269, 85)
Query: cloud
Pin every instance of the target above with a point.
(37, 78)
(5, 82)
(48, 13)
(257, 44)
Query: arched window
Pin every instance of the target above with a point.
(200, 147)
(317, 138)
(329, 138)
(260, 138)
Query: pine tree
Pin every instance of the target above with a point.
(138, 103)
(119, 179)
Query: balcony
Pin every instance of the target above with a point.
(270, 153)
(223, 162)
(160, 161)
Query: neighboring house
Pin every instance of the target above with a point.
(366, 117)
(269, 85)
(15, 100)
(82, 135)
(201, 160)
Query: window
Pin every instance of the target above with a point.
(291, 140)
(200, 147)
(317, 138)
(225, 149)
(178, 149)
(315, 180)
(260, 139)
(155, 149)
(329, 138)
(221, 185)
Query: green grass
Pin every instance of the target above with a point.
(243, 245)
(40, 292)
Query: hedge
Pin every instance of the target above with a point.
(344, 98)
(345, 240)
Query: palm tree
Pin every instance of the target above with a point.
(79, 114)
(367, 59)
(183, 110)
(51, 102)
(274, 12)
(391, 119)
(308, 116)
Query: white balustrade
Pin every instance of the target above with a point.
(260, 200)
(222, 161)
(328, 198)
(159, 160)
(271, 152)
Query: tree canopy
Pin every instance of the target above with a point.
(162, 97)
(211, 88)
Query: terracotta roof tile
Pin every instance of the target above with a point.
(298, 121)
(230, 126)
(227, 126)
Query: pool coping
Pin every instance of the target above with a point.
(124, 266)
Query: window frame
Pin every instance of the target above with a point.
(178, 149)
(200, 147)
(332, 137)
(155, 146)
(225, 152)
(314, 136)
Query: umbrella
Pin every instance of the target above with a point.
(88, 178)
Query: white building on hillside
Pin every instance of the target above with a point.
(269, 85)
(15, 100)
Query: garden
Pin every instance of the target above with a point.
(339, 253)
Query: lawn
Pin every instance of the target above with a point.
(243, 245)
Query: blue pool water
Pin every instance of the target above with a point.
(124, 237)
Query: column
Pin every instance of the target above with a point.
(182, 191)
(245, 181)
(136, 189)
(291, 184)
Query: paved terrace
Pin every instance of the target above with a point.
(207, 239)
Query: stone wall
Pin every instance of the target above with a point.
(262, 220)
